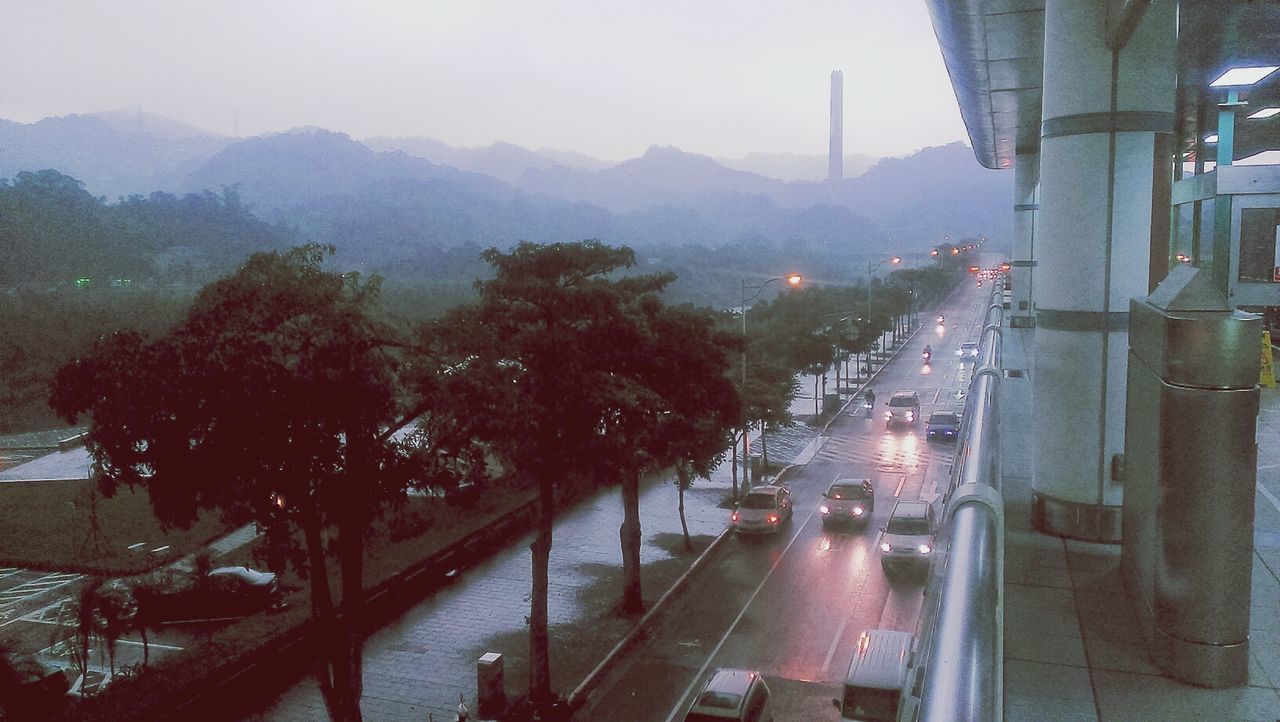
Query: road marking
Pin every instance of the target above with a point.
(1271, 498)
(901, 481)
(36, 587)
(835, 642)
(742, 613)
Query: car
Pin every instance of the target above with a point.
(221, 593)
(904, 408)
(942, 426)
(877, 674)
(907, 540)
(29, 687)
(968, 351)
(763, 510)
(848, 501)
(732, 694)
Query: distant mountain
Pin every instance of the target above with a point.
(281, 171)
(793, 167)
(159, 126)
(662, 176)
(107, 152)
(504, 161)
(935, 192)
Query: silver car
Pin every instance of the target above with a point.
(968, 351)
(907, 540)
(763, 510)
(848, 501)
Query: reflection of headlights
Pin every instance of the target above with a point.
(824, 509)
(886, 547)
(858, 511)
(924, 548)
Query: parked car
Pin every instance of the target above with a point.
(848, 501)
(968, 351)
(224, 592)
(904, 408)
(763, 510)
(28, 686)
(732, 694)
(907, 540)
(942, 426)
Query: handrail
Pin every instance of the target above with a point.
(958, 667)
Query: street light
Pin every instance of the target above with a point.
(793, 280)
(895, 260)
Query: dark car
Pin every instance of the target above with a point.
(223, 593)
(28, 686)
(848, 501)
(942, 426)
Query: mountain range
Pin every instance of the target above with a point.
(383, 200)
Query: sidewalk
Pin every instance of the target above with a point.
(1073, 649)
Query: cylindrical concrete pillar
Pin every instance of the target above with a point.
(1102, 111)
(1026, 180)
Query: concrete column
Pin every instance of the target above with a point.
(1103, 110)
(1026, 179)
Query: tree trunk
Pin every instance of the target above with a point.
(734, 469)
(351, 545)
(146, 648)
(329, 661)
(764, 445)
(746, 460)
(629, 534)
(539, 654)
(816, 398)
(682, 482)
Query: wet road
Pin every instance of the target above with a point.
(792, 606)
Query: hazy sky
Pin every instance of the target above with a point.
(604, 77)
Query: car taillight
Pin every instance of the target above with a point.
(886, 547)
(773, 518)
(858, 511)
(824, 509)
(733, 516)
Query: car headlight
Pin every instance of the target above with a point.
(911, 416)
(858, 511)
(924, 548)
(824, 509)
(886, 547)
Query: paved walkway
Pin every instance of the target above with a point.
(1073, 648)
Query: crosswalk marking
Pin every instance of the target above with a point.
(36, 586)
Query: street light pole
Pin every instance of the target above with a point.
(793, 279)
(870, 269)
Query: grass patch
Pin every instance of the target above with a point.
(49, 525)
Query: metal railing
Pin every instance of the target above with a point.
(958, 668)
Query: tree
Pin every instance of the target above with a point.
(679, 410)
(270, 403)
(537, 369)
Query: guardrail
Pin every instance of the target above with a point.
(958, 667)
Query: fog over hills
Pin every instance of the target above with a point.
(385, 200)
(792, 167)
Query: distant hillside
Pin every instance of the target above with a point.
(793, 167)
(503, 161)
(935, 192)
(109, 153)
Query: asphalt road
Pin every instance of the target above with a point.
(792, 606)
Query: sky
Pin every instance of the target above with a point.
(602, 77)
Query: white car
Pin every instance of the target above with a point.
(907, 541)
(763, 510)
(968, 351)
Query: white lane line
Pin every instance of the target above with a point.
(898, 492)
(1270, 497)
(835, 642)
(703, 669)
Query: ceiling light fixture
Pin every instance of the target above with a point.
(1243, 76)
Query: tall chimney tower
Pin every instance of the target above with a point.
(835, 162)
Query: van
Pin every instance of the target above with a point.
(873, 688)
(732, 694)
